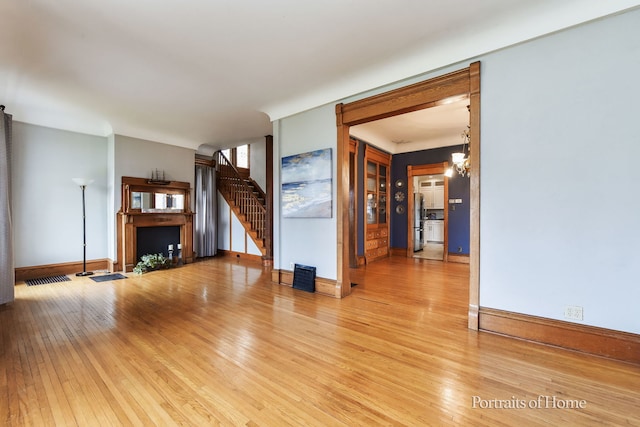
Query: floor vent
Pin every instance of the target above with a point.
(46, 280)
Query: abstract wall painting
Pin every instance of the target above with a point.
(307, 185)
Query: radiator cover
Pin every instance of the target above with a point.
(304, 278)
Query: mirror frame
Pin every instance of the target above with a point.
(131, 185)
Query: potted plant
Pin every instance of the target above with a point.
(150, 262)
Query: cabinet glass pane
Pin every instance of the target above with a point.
(371, 183)
(372, 212)
(382, 209)
(371, 168)
(383, 178)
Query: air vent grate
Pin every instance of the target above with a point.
(304, 278)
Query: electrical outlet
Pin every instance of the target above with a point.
(573, 312)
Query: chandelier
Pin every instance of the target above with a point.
(461, 161)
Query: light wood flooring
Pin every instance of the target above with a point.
(216, 343)
(430, 250)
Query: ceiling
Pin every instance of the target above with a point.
(215, 73)
(438, 126)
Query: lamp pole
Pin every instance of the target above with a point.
(83, 185)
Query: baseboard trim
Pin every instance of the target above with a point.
(37, 271)
(241, 255)
(398, 252)
(459, 258)
(323, 286)
(608, 343)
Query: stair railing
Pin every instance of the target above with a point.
(230, 182)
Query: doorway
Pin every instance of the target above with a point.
(433, 92)
(427, 211)
(429, 217)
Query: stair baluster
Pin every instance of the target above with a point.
(245, 197)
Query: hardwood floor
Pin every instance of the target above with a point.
(216, 343)
(433, 251)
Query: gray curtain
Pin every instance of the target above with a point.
(7, 274)
(206, 212)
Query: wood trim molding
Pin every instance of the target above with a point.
(204, 161)
(354, 203)
(324, 286)
(268, 241)
(459, 258)
(588, 339)
(407, 99)
(398, 252)
(60, 269)
(343, 284)
(241, 255)
(474, 195)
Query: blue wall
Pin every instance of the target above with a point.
(459, 219)
(458, 189)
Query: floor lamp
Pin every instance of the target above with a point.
(82, 182)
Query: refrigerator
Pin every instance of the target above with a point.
(418, 222)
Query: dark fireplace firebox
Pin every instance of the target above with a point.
(156, 240)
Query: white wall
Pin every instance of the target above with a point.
(257, 162)
(559, 205)
(560, 145)
(112, 189)
(308, 241)
(47, 205)
(138, 158)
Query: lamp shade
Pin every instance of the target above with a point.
(82, 182)
(457, 158)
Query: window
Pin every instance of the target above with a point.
(242, 156)
(238, 156)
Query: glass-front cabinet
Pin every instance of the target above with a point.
(376, 203)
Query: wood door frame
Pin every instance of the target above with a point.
(436, 91)
(421, 170)
(353, 203)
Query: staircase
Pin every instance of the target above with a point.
(246, 199)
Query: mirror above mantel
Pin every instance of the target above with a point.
(152, 202)
(140, 195)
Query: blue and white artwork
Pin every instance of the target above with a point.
(306, 185)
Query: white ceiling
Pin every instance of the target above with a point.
(217, 72)
(439, 126)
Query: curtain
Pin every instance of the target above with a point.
(7, 273)
(206, 212)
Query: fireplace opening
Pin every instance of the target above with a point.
(156, 240)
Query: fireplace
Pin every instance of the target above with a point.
(156, 240)
(144, 229)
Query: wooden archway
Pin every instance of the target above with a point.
(458, 84)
